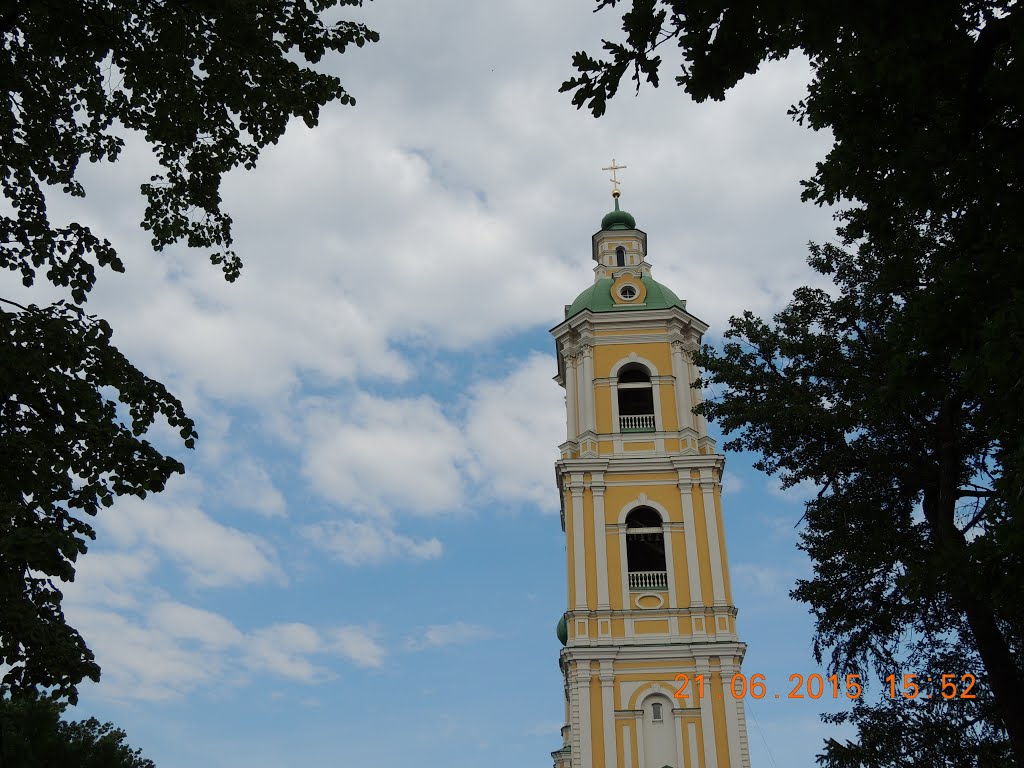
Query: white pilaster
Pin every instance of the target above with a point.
(684, 403)
(571, 392)
(698, 398)
(600, 541)
(707, 487)
(691, 738)
(579, 549)
(587, 419)
(690, 537)
(608, 713)
(677, 723)
(732, 729)
(707, 716)
(581, 394)
(583, 691)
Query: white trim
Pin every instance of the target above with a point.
(637, 597)
(633, 357)
(642, 501)
(627, 747)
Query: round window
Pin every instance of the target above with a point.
(627, 292)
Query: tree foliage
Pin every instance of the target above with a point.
(33, 735)
(208, 84)
(899, 394)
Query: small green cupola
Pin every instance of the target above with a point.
(617, 219)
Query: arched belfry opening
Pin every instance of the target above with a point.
(645, 550)
(636, 399)
(620, 257)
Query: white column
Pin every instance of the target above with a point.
(698, 398)
(600, 541)
(680, 371)
(714, 550)
(741, 713)
(659, 423)
(583, 691)
(587, 419)
(571, 401)
(690, 537)
(581, 395)
(707, 716)
(611, 758)
(732, 729)
(627, 747)
(579, 549)
(641, 760)
(677, 722)
(691, 737)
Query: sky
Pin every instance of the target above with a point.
(293, 599)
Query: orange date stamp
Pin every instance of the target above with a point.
(815, 686)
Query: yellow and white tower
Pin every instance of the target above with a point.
(640, 482)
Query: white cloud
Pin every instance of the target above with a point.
(761, 579)
(370, 542)
(248, 486)
(140, 662)
(731, 483)
(357, 644)
(514, 426)
(385, 455)
(283, 650)
(209, 553)
(438, 635)
(185, 622)
(110, 579)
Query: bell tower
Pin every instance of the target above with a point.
(640, 482)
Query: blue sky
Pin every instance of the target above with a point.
(295, 598)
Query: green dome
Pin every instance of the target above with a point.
(562, 631)
(598, 298)
(618, 219)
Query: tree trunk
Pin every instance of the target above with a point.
(939, 507)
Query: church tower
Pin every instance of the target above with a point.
(650, 631)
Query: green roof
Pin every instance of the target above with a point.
(562, 631)
(618, 219)
(598, 298)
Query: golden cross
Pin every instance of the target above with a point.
(615, 178)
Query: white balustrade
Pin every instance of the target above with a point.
(641, 423)
(648, 580)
